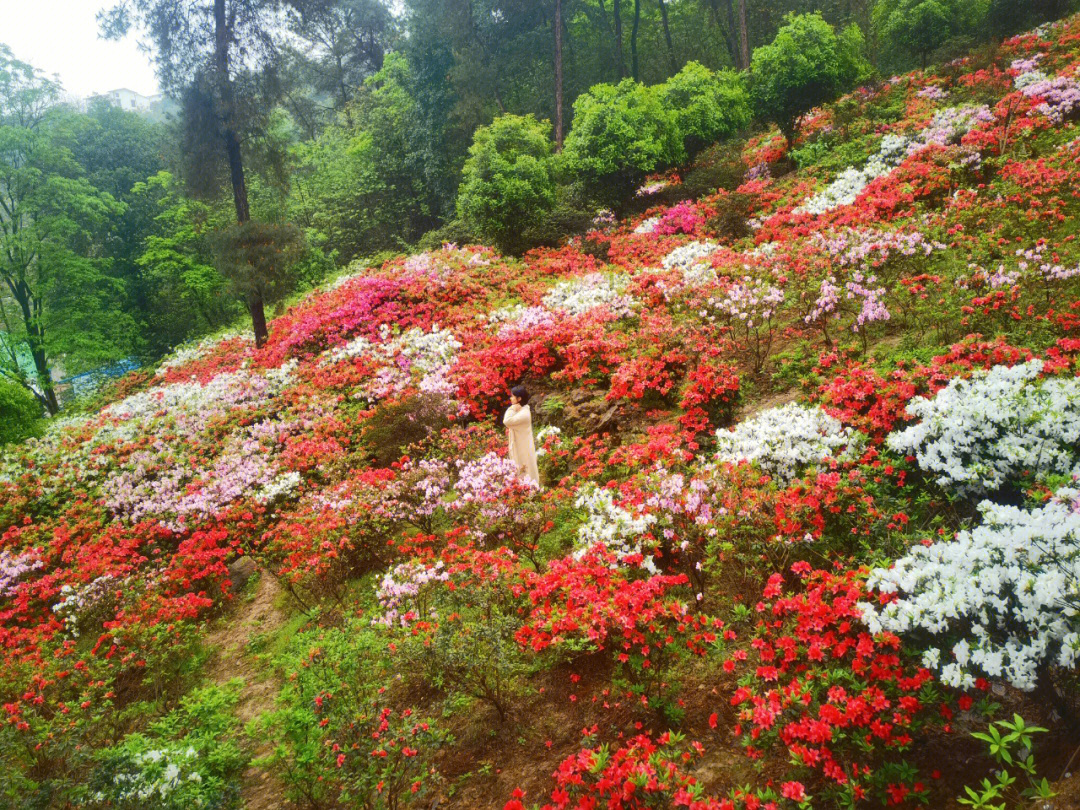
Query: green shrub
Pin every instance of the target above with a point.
(471, 650)
(187, 759)
(338, 741)
(455, 231)
(709, 106)
(920, 27)
(620, 134)
(507, 180)
(806, 65)
(20, 413)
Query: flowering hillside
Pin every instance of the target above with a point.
(810, 447)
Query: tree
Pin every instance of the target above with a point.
(507, 180)
(709, 105)
(178, 288)
(557, 25)
(362, 185)
(259, 260)
(806, 65)
(59, 296)
(342, 42)
(620, 133)
(920, 27)
(204, 50)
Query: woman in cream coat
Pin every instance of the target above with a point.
(518, 421)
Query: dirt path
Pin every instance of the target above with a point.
(250, 617)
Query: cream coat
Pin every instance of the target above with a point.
(518, 423)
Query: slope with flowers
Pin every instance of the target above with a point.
(711, 604)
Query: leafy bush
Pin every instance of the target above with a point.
(919, 27)
(20, 413)
(461, 628)
(709, 106)
(806, 65)
(339, 741)
(187, 759)
(507, 180)
(620, 134)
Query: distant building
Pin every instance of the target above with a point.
(130, 100)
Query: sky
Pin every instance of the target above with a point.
(61, 37)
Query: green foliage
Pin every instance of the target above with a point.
(621, 133)
(507, 180)
(337, 737)
(20, 412)
(189, 758)
(176, 288)
(1011, 750)
(65, 297)
(260, 258)
(471, 650)
(709, 105)
(806, 65)
(362, 185)
(919, 27)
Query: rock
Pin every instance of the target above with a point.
(240, 571)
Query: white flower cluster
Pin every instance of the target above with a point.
(692, 259)
(578, 296)
(784, 440)
(617, 528)
(947, 125)
(994, 593)
(977, 434)
(541, 436)
(161, 771)
(282, 486)
(520, 318)
(647, 225)
(849, 184)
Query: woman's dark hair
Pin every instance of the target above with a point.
(520, 392)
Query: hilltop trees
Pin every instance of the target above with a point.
(806, 65)
(59, 294)
(507, 181)
(216, 54)
(919, 27)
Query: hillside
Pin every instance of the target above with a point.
(809, 423)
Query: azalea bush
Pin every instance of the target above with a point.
(338, 735)
(782, 441)
(984, 433)
(187, 758)
(845, 704)
(996, 601)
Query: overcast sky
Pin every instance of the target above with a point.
(61, 37)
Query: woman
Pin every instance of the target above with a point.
(518, 421)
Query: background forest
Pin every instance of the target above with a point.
(319, 132)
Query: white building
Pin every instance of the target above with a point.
(130, 100)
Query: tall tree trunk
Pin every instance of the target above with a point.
(35, 338)
(606, 64)
(558, 75)
(620, 66)
(232, 150)
(744, 37)
(633, 39)
(667, 37)
(734, 36)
